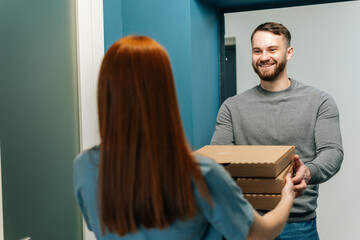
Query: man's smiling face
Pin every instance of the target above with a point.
(269, 55)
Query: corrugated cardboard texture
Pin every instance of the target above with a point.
(264, 185)
(263, 201)
(250, 161)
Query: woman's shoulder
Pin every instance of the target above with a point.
(210, 169)
(205, 163)
(88, 158)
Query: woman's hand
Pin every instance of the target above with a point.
(288, 189)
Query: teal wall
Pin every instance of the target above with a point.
(39, 130)
(205, 71)
(188, 29)
(112, 22)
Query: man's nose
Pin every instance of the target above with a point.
(264, 56)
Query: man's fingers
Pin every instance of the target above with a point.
(301, 186)
(297, 161)
(299, 175)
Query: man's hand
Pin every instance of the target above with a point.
(302, 176)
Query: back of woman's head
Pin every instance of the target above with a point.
(145, 165)
(136, 90)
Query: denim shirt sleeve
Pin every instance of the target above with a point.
(231, 214)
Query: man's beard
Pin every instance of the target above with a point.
(270, 75)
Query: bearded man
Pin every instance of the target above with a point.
(284, 111)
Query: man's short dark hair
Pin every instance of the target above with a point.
(275, 28)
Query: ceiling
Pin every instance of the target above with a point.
(248, 5)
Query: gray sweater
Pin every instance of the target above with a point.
(300, 115)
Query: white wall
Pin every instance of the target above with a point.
(326, 40)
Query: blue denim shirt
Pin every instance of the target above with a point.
(231, 216)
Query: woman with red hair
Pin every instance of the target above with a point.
(142, 181)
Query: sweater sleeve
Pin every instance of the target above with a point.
(329, 150)
(223, 134)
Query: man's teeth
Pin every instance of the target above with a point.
(265, 65)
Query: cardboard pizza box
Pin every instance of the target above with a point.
(264, 185)
(250, 160)
(263, 201)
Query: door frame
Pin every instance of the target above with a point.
(90, 51)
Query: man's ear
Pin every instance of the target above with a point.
(289, 53)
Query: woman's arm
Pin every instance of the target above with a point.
(271, 224)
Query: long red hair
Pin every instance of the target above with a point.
(146, 168)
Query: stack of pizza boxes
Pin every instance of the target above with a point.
(258, 170)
